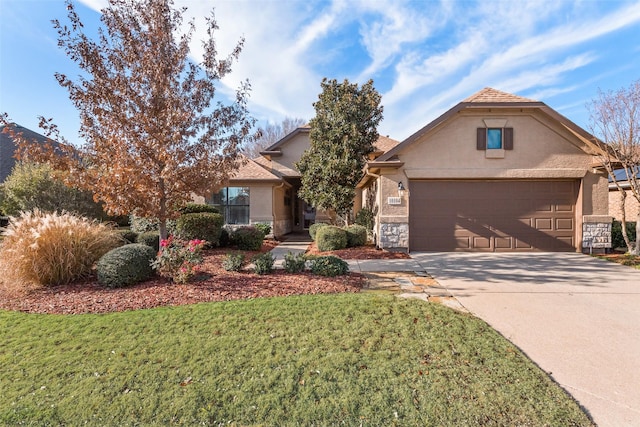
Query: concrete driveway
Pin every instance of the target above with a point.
(577, 317)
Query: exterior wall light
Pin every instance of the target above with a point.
(401, 189)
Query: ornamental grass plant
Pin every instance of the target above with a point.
(45, 249)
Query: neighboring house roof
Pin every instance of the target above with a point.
(489, 97)
(8, 147)
(621, 178)
(384, 144)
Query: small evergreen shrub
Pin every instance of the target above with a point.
(313, 229)
(128, 236)
(356, 235)
(331, 238)
(247, 238)
(150, 238)
(263, 263)
(198, 208)
(294, 263)
(224, 238)
(617, 241)
(263, 227)
(142, 225)
(125, 266)
(205, 226)
(233, 262)
(365, 217)
(329, 266)
(51, 248)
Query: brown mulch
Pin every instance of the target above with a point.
(212, 284)
(622, 258)
(361, 252)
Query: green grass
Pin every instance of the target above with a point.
(313, 360)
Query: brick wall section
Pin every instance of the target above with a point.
(632, 207)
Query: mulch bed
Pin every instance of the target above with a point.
(213, 284)
(622, 258)
(361, 252)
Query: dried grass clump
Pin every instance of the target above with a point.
(52, 249)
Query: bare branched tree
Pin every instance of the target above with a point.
(615, 120)
(152, 136)
(270, 134)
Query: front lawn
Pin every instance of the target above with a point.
(348, 359)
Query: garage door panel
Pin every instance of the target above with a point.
(492, 215)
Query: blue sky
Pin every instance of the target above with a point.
(424, 56)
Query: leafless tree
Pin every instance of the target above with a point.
(270, 134)
(615, 121)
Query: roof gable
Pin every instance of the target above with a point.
(492, 98)
(252, 171)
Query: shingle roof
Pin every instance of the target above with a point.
(489, 94)
(384, 143)
(252, 171)
(8, 147)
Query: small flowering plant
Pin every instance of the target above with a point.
(178, 259)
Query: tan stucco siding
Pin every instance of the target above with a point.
(291, 152)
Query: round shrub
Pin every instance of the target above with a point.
(128, 236)
(263, 263)
(264, 227)
(356, 235)
(331, 238)
(329, 266)
(247, 238)
(142, 225)
(313, 229)
(126, 265)
(233, 262)
(202, 226)
(294, 263)
(198, 208)
(51, 248)
(150, 238)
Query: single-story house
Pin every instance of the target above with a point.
(497, 172)
(632, 207)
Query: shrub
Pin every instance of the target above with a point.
(356, 235)
(263, 227)
(128, 235)
(331, 238)
(35, 186)
(224, 238)
(143, 225)
(126, 265)
(263, 263)
(313, 229)
(202, 226)
(329, 266)
(150, 238)
(617, 241)
(198, 208)
(178, 260)
(247, 238)
(233, 262)
(294, 263)
(364, 217)
(52, 248)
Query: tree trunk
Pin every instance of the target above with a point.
(163, 211)
(623, 218)
(636, 249)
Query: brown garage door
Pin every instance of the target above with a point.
(492, 215)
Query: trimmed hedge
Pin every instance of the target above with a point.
(150, 238)
(313, 229)
(198, 208)
(329, 266)
(125, 266)
(204, 226)
(356, 235)
(247, 238)
(331, 238)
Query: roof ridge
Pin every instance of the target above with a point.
(489, 94)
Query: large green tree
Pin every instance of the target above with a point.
(153, 137)
(343, 132)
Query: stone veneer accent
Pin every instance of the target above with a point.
(394, 235)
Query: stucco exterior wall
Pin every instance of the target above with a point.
(291, 152)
